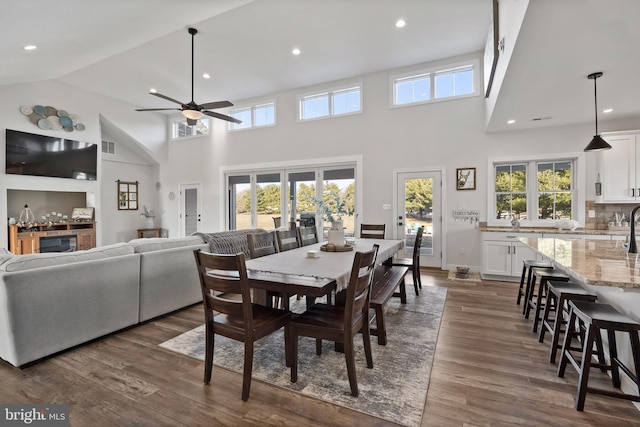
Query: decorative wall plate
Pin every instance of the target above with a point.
(51, 118)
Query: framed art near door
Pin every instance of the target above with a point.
(466, 179)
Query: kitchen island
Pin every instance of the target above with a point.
(605, 268)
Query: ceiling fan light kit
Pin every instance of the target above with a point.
(597, 143)
(192, 111)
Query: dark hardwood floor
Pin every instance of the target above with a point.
(489, 370)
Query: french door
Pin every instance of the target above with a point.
(420, 204)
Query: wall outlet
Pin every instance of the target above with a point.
(386, 206)
(592, 213)
(462, 251)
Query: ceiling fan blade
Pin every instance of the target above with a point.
(157, 109)
(214, 105)
(159, 95)
(222, 116)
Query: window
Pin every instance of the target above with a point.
(337, 102)
(259, 115)
(108, 147)
(538, 191)
(435, 85)
(511, 191)
(181, 129)
(555, 190)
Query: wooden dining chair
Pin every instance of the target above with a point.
(307, 236)
(234, 318)
(277, 221)
(261, 244)
(287, 239)
(340, 323)
(372, 231)
(414, 262)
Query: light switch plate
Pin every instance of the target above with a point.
(386, 206)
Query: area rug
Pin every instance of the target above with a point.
(394, 390)
(473, 277)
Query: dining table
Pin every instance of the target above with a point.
(311, 271)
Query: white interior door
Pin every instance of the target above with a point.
(191, 208)
(420, 204)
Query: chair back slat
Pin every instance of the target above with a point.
(222, 277)
(416, 247)
(372, 231)
(307, 236)
(287, 239)
(262, 244)
(358, 290)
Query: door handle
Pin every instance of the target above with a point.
(400, 223)
(508, 249)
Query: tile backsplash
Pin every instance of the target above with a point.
(605, 213)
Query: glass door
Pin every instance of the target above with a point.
(301, 190)
(419, 204)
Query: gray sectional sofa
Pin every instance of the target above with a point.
(51, 302)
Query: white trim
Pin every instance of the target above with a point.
(432, 72)
(175, 118)
(252, 107)
(289, 164)
(443, 199)
(578, 181)
(330, 92)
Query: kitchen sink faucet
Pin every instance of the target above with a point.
(633, 247)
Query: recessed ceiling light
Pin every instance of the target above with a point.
(510, 122)
(296, 51)
(30, 47)
(206, 76)
(608, 110)
(152, 90)
(400, 23)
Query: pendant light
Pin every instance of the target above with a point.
(597, 143)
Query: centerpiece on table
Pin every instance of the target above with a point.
(149, 216)
(334, 207)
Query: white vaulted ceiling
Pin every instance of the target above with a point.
(122, 48)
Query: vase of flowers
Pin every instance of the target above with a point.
(334, 207)
(148, 216)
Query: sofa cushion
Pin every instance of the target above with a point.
(5, 255)
(158, 243)
(229, 242)
(27, 262)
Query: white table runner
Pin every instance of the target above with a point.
(328, 265)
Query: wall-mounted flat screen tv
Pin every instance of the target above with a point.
(40, 155)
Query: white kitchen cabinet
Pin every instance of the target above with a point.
(503, 254)
(620, 168)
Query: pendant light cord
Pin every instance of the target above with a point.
(595, 98)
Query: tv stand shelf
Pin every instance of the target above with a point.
(26, 240)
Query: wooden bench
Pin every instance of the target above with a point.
(385, 282)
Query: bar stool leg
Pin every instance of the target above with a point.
(585, 366)
(522, 278)
(613, 355)
(551, 305)
(566, 345)
(542, 291)
(635, 350)
(531, 286)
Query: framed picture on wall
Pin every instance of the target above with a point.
(466, 179)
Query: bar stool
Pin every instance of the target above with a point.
(536, 301)
(600, 317)
(527, 264)
(558, 296)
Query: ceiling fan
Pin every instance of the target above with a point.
(192, 111)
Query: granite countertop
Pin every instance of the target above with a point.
(552, 230)
(591, 261)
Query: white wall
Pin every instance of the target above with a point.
(147, 129)
(446, 134)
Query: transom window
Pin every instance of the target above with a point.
(181, 129)
(258, 115)
(336, 102)
(535, 191)
(435, 85)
